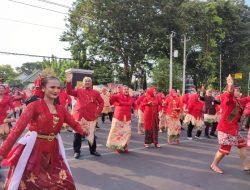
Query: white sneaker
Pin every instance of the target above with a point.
(197, 137)
(160, 131)
(189, 138)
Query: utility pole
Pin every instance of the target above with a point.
(171, 61)
(248, 84)
(220, 72)
(184, 64)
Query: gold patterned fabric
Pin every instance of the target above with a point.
(119, 135)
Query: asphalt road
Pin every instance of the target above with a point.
(173, 167)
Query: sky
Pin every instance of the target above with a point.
(32, 39)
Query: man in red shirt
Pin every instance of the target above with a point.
(88, 107)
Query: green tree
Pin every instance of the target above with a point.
(28, 68)
(160, 75)
(59, 67)
(9, 75)
(103, 73)
(135, 35)
(124, 31)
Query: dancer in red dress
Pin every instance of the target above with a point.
(37, 91)
(38, 161)
(64, 99)
(162, 112)
(193, 118)
(5, 104)
(18, 98)
(228, 127)
(120, 131)
(140, 126)
(173, 110)
(6, 108)
(150, 108)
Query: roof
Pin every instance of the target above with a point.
(32, 77)
(71, 70)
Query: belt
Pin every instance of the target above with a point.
(49, 137)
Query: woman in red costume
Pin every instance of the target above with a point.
(5, 104)
(161, 110)
(5, 107)
(150, 109)
(64, 99)
(173, 111)
(18, 98)
(120, 131)
(246, 116)
(140, 126)
(193, 118)
(38, 161)
(228, 127)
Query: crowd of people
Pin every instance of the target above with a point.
(38, 160)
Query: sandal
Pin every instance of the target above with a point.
(157, 146)
(118, 151)
(170, 142)
(246, 169)
(146, 145)
(216, 170)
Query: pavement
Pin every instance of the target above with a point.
(172, 167)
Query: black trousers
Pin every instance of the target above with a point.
(247, 125)
(110, 114)
(190, 130)
(77, 143)
(20, 112)
(31, 99)
(214, 127)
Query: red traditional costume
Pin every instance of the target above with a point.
(18, 100)
(194, 116)
(246, 115)
(5, 105)
(228, 132)
(161, 110)
(120, 131)
(140, 127)
(210, 116)
(173, 111)
(38, 161)
(150, 109)
(64, 98)
(88, 107)
(37, 91)
(107, 110)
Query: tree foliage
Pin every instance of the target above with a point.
(9, 75)
(135, 34)
(29, 67)
(58, 67)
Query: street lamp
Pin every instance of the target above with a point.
(185, 55)
(171, 61)
(184, 64)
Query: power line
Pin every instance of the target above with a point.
(37, 7)
(30, 23)
(32, 55)
(53, 3)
